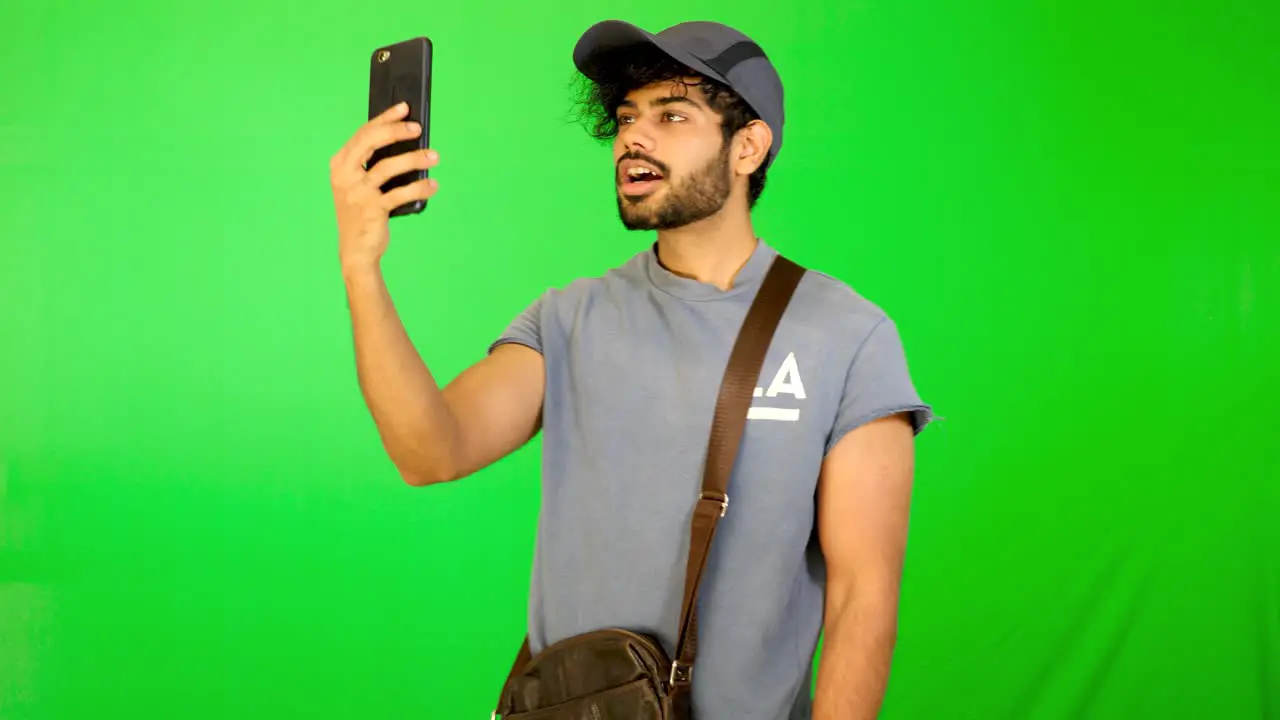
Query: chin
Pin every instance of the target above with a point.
(640, 221)
(636, 221)
(638, 212)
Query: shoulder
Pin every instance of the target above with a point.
(561, 307)
(833, 307)
(629, 275)
(861, 339)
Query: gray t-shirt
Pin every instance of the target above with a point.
(634, 361)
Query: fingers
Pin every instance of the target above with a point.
(420, 190)
(373, 136)
(379, 174)
(384, 129)
(395, 112)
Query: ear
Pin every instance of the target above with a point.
(752, 147)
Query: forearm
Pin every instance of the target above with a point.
(857, 651)
(415, 423)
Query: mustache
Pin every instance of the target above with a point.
(657, 165)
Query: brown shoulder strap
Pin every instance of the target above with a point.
(736, 392)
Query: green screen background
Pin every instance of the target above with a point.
(1072, 210)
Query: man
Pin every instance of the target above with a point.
(621, 372)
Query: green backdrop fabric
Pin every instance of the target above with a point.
(1071, 209)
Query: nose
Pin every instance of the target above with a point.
(633, 137)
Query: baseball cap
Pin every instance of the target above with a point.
(710, 49)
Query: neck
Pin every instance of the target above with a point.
(710, 251)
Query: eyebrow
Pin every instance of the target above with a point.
(663, 102)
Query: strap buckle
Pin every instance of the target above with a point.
(680, 673)
(722, 498)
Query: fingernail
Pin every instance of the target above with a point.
(414, 127)
(432, 155)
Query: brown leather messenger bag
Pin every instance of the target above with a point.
(618, 674)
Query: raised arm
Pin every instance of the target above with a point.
(431, 434)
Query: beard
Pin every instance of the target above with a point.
(695, 197)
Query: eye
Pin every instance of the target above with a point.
(666, 117)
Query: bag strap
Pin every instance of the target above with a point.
(736, 392)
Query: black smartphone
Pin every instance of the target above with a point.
(402, 73)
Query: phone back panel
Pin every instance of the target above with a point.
(402, 72)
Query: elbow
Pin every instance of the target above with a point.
(424, 476)
(873, 600)
(415, 479)
(419, 471)
(422, 464)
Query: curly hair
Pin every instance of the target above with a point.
(624, 70)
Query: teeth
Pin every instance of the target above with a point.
(638, 171)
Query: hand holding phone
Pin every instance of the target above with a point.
(401, 73)
(381, 171)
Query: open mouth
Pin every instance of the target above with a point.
(640, 181)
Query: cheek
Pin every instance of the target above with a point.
(620, 142)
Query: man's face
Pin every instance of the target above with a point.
(671, 162)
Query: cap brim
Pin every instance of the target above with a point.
(614, 34)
